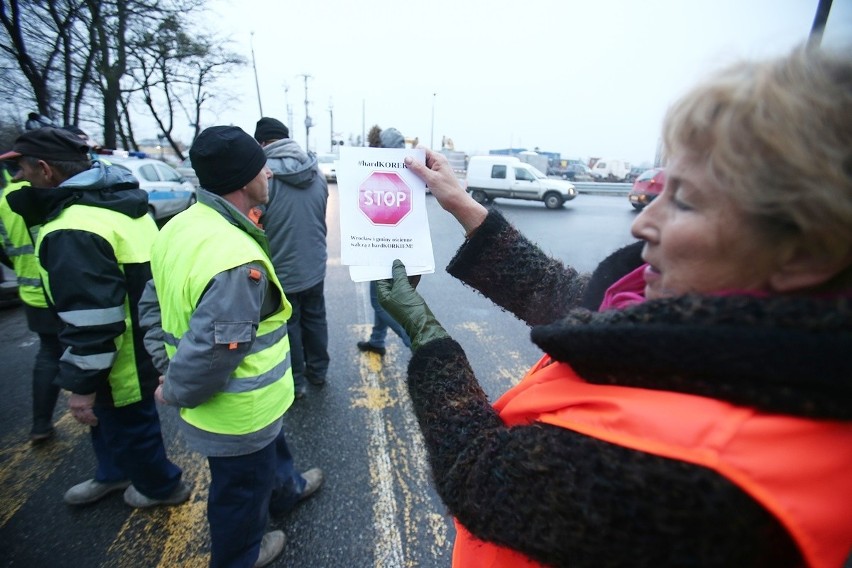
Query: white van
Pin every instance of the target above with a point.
(490, 177)
(610, 169)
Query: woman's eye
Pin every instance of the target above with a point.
(673, 187)
(680, 204)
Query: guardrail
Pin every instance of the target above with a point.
(603, 188)
(590, 187)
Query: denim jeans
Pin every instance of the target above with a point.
(382, 321)
(308, 332)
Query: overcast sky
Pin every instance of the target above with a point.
(591, 78)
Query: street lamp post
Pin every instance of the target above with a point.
(331, 127)
(256, 82)
(308, 121)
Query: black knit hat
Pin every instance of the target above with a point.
(270, 129)
(225, 159)
(48, 144)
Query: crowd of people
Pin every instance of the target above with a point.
(692, 407)
(127, 318)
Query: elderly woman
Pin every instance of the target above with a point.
(698, 410)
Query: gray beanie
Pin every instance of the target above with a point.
(392, 138)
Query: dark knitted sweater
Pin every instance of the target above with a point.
(566, 499)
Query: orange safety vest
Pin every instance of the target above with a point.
(798, 469)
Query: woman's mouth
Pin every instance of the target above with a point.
(651, 275)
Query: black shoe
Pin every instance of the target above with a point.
(316, 380)
(300, 390)
(367, 346)
(41, 437)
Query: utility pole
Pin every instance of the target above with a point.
(287, 106)
(331, 128)
(308, 121)
(256, 82)
(363, 122)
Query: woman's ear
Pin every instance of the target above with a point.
(802, 270)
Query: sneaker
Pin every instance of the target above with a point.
(367, 346)
(41, 437)
(90, 491)
(270, 547)
(135, 499)
(313, 481)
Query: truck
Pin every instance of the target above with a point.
(610, 169)
(490, 177)
(538, 161)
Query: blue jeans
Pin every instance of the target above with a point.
(308, 332)
(382, 321)
(243, 492)
(128, 444)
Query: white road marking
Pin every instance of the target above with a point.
(388, 540)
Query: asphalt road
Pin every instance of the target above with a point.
(377, 507)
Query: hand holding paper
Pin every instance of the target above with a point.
(382, 213)
(399, 299)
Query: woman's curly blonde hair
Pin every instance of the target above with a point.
(776, 135)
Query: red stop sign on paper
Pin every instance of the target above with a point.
(384, 198)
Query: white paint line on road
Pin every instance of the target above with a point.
(388, 540)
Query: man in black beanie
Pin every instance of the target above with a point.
(268, 128)
(294, 220)
(222, 347)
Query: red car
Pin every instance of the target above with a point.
(646, 187)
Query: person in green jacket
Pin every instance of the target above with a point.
(218, 312)
(16, 252)
(93, 251)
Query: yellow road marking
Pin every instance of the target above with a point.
(170, 536)
(27, 467)
(387, 540)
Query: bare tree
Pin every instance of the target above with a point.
(104, 60)
(40, 37)
(205, 72)
(173, 71)
(110, 21)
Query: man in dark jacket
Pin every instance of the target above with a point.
(294, 220)
(93, 250)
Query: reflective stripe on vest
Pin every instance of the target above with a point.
(798, 469)
(190, 251)
(130, 240)
(18, 242)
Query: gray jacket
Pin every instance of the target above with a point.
(294, 218)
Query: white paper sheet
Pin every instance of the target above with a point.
(382, 213)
